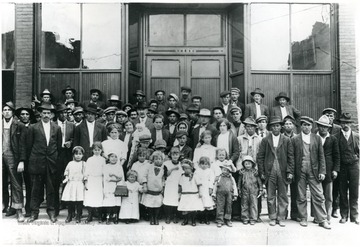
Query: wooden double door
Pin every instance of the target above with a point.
(205, 75)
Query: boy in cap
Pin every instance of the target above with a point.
(237, 127)
(186, 151)
(235, 94)
(256, 108)
(224, 193)
(78, 113)
(289, 126)
(262, 122)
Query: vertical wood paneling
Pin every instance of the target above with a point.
(271, 85)
(56, 82)
(312, 93)
(107, 83)
(169, 85)
(209, 89)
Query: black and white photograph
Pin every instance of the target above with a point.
(160, 122)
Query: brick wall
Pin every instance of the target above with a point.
(24, 36)
(347, 59)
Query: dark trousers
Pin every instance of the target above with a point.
(349, 182)
(336, 193)
(277, 199)
(27, 181)
(249, 206)
(38, 181)
(223, 206)
(17, 196)
(293, 205)
(75, 206)
(5, 186)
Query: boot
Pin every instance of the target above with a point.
(156, 218)
(20, 216)
(71, 210)
(186, 220)
(79, 207)
(175, 217)
(206, 213)
(152, 216)
(167, 210)
(193, 219)
(90, 216)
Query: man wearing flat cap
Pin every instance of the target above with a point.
(184, 100)
(235, 94)
(78, 113)
(225, 102)
(95, 95)
(237, 126)
(160, 98)
(310, 169)
(349, 170)
(256, 108)
(110, 115)
(139, 97)
(196, 100)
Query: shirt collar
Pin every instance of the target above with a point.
(327, 135)
(346, 132)
(305, 137)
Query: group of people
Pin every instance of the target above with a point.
(171, 157)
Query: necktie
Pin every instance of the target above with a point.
(157, 170)
(262, 134)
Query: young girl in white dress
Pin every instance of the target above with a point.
(171, 196)
(130, 205)
(74, 190)
(190, 198)
(207, 178)
(206, 149)
(221, 156)
(93, 176)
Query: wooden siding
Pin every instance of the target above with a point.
(169, 85)
(56, 82)
(209, 89)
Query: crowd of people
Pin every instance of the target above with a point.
(171, 158)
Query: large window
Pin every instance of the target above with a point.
(302, 29)
(83, 36)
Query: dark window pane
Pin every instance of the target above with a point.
(7, 85)
(134, 36)
(203, 30)
(60, 46)
(101, 36)
(237, 39)
(7, 15)
(270, 36)
(166, 30)
(310, 33)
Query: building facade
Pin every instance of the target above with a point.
(306, 50)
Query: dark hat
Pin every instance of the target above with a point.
(218, 108)
(139, 92)
(152, 110)
(159, 90)
(67, 89)
(29, 110)
(276, 120)
(145, 137)
(193, 108)
(120, 112)
(130, 111)
(71, 101)
(250, 120)
(95, 90)
(181, 133)
(168, 112)
(235, 108)
(92, 108)
(36, 114)
(282, 95)
(61, 107)
(329, 109)
(78, 110)
(306, 119)
(99, 111)
(289, 117)
(10, 104)
(257, 91)
(174, 96)
(324, 121)
(153, 101)
(205, 112)
(46, 106)
(141, 105)
(110, 109)
(114, 98)
(186, 88)
(46, 92)
(183, 116)
(235, 89)
(196, 97)
(261, 117)
(346, 118)
(127, 104)
(224, 93)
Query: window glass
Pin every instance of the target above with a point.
(60, 46)
(270, 36)
(101, 36)
(134, 36)
(310, 33)
(237, 39)
(166, 30)
(203, 30)
(7, 15)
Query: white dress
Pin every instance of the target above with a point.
(190, 199)
(141, 169)
(216, 167)
(117, 146)
(155, 182)
(93, 173)
(74, 189)
(204, 150)
(130, 205)
(207, 179)
(111, 171)
(171, 191)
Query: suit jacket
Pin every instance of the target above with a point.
(195, 134)
(291, 110)
(244, 148)
(65, 154)
(234, 151)
(250, 110)
(43, 157)
(69, 131)
(166, 137)
(332, 156)
(267, 154)
(343, 143)
(317, 158)
(81, 136)
(99, 103)
(186, 152)
(17, 131)
(148, 122)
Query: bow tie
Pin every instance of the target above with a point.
(225, 175)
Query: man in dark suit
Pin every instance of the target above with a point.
(173, 117)
(65, 154)
(284, 109)
(310, 169)
(160, 98)
(332, 160)
(13, 164)
(184, 100)
(205, 116)
(44, 142)
(225, 102)
(159, 133)
(349, 170)
(256, 109)
(95, 95)
(276, 166)
(89, 131)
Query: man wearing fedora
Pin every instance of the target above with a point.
(276, 166)
(69, 93)
(310, 169)
(193, 112)
(71, 104)
(95, 95)
(13, 163)
(160, 98)
(142, 118)
(332, 161)
(284, 109)
(114, 101)
(89, 131)
(184, 100)
(139, 97)
(43, 141)
(349, 170)
(256, 109)
(204, 117)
